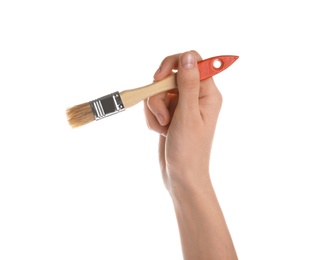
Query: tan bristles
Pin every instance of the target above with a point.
(80, 115)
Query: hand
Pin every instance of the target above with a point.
(186, 120)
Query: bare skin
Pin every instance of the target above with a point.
(186, 121)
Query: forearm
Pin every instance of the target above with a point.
(203, 230)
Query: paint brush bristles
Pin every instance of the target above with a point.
(80, 115)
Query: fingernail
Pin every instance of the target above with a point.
(160, 119)
(187, 60)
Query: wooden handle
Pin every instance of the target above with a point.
(133, 96)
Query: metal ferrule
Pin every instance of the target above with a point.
(107, 105)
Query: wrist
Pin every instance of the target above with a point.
(202, 226)
(188, 186)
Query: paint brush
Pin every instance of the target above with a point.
(119, 101)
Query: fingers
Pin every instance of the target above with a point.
(166, 68)
(156, 113)
(158, 106)
(188, 80)
(158, 110)
(196, 98)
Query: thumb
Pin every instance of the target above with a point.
(188, 81)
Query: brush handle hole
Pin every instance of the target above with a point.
(217, 63)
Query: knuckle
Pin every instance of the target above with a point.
(216, 99)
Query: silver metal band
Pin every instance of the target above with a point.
(107, 105)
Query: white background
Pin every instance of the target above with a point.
(96, 192)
